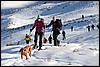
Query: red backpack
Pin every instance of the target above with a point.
(45, 40)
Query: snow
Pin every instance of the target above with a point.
(15, 4)
(80, 48)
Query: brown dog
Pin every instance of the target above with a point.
(24, 51)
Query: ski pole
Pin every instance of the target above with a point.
(29, 33)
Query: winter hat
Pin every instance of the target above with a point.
(38, 16)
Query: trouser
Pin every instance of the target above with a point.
(88, 29)
(50, 41)
(56, 41)
(71, 29)
(64, 36)
(40, 34)
(27, 41)
(93, 28)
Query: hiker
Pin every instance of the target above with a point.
(71, 28)
(82, 16)
(39, 31)
(23, 27)
(56, 27)
(88, 27)
(92, 26)
(45, 40)
(27, 38)
(63, 33)
(97, 26)
(50, 39)
(18, 42)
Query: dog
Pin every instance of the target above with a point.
(26, 50)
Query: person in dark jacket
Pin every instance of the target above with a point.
(56, 27)
(88, 27)
(98, 26)
(82, 16)
(63, 33)
(92, 26)
(71, 28)
(50, 39)
(39, 31)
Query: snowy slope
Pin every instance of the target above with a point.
(26, 16)
(69, 55)
(80, 48)
(15, 4)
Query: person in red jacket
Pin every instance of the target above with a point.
(39, 24)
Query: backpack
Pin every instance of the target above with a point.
(59, 23)
(45, 40)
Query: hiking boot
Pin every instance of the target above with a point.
(39, 48)
(34, 46)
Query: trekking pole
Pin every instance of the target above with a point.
(51, 32)
(29, 33)
(44, 32)
(30, 36)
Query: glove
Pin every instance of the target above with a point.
(30, 30)
(46, 26)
